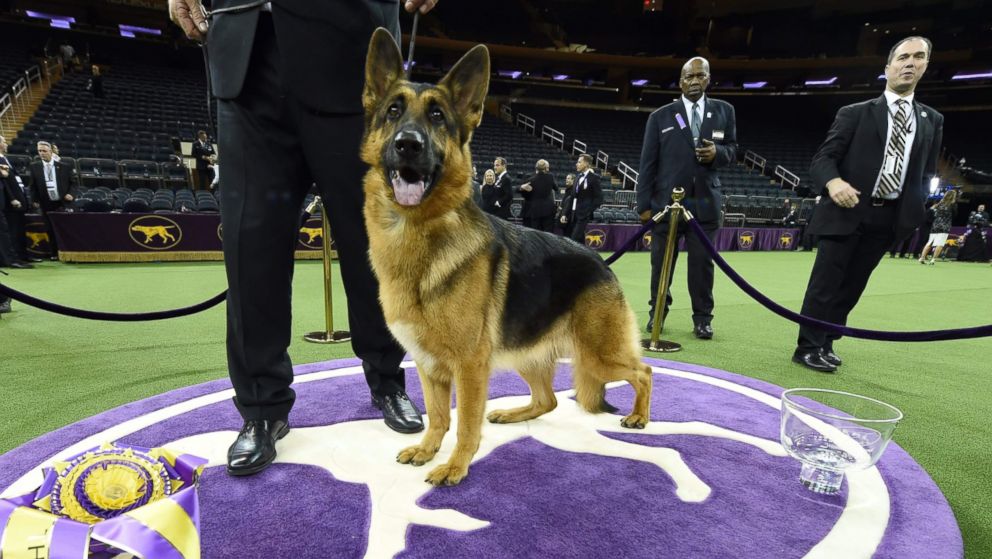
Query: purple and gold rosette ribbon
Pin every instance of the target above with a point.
(106, 501)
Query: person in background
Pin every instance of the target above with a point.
(943, 212)
(539, 199)
(52, 182)
(488, 193)
(503, 190)
(581, 200)
(874, 170)
(96, 82)
(686, 143)
(204, 154)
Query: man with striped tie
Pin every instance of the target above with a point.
(874, 168)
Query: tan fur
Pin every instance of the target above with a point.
(444, 302)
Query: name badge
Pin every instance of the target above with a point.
(669, 129)
(718, 134)
(680, 120)
(51, 184)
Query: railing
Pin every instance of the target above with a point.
(734, 219)
(806, 209)
(553, 137)
(578, 146)
(629, 174)
(6, 113)
(33, 74)
(787, 176)
(19, 87)
(527, 123)
(754, 161)
(627, 198)
(506, 113)
(602, 160)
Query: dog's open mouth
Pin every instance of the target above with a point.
(409, 185)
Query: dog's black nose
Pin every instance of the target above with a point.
(409, 143)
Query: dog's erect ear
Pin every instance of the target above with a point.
(468, 82)
(383, 66)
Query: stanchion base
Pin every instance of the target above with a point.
(335, 337)
(661, 346)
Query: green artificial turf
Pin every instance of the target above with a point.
(56, 370)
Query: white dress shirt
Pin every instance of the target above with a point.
(890, 101)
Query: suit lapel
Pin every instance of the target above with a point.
(880, 110)
(923, 126)
(685, 132)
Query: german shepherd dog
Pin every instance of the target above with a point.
(464, 291)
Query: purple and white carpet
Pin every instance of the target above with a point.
(706, 478)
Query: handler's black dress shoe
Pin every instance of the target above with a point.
(21, 265)
(703, 331)
(813, 359)
(400, 413)
(830, 357)
(255, 447)
(5, 307)
(34, 260)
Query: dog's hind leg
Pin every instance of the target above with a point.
(542, 395)
(607, 350)
(471, 391)
(436, 384)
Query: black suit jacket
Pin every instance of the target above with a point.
(322, 44)
(668, 158)
(63, 180)
(854, 150)
(501, 192)
(199, 151)
(11, 190)
(587, 196)
(540, 201)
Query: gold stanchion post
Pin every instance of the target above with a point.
(655, 344)
(329, 335)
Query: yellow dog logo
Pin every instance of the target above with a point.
(312, 233)
(159, 233)
(37, 237)
(785, 241)
(745, 239)
(595, 238)
(152, 231)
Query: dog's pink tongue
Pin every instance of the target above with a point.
(408, 193)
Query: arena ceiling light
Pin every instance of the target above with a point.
(130, 30)
(560, 77)
(822, 82)
(981, 76)
(43, 15)
(639, 83)
(754, 85)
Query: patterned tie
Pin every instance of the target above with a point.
(694, 124)
(889, 183)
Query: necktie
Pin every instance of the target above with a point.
(695, 122)
(889, 182)
(49, 175)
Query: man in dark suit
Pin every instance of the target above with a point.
(13, 206)
(874, 170)
(685, 142)
(501, 195)
(203, 152)
(52, 183)
(539, 199)
(288, 76)
(581, 200)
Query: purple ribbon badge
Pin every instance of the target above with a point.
(680, 120)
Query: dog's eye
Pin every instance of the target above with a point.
(436, 114)
(394, 111)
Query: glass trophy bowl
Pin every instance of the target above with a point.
(833, 432)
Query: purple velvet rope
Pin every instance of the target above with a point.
(927, 336)
(108, 316)
(629, 244)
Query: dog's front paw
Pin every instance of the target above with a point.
(416, 455)
(446, 474)
(634, 421)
